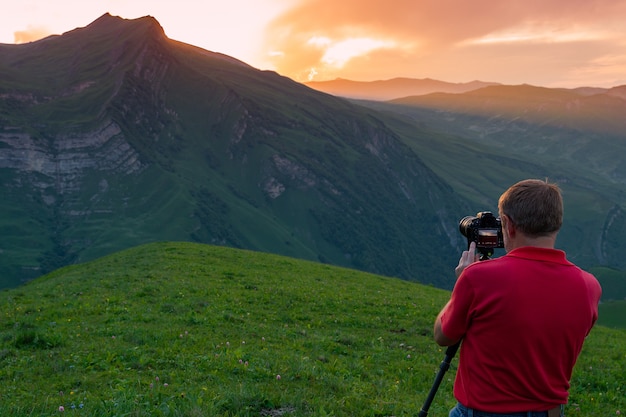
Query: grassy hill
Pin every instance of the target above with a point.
(182, 329)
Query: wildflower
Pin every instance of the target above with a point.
(278, 377)
(166, 384)
(61, 409)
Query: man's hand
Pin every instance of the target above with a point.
(467, 258)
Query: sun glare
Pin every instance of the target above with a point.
(312, 74)
(337, 53)
(341, 52)
(319, 41)
(31, 33)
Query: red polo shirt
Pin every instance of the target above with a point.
(523, 319)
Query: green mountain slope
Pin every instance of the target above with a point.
(482, 141)
(113, 135)
(187, 329)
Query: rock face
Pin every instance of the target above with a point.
(59, 163)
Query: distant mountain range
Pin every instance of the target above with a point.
(603, 111)
(113, 135)
(400, 88)
(394, 88)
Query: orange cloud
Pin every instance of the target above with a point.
(32, 33)
(454, 40)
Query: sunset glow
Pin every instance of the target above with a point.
(337, 54)
(555, 43)
(545, 34)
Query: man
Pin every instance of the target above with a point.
(522, 317)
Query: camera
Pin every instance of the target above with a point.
(484, 229)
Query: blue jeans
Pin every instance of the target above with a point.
(461, 411)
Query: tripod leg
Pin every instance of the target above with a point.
(443, 368)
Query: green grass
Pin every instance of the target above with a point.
(180, 329)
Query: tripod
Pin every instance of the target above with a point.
(443, 368)
(485, 253)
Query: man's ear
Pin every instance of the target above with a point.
(508, 225)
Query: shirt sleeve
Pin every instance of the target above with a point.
(595, 291)
(456, 319)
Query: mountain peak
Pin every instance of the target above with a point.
(619, 91)
(108, 19)
(109, 24)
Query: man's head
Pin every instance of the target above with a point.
(534, 207)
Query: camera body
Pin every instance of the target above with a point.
(485, 229)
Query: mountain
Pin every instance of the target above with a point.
(390, 89)
(113, 135)
(586, 132)
(482, 141)
(601, 112)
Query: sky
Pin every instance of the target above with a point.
(550, 43)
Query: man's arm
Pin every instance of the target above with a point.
(440, 338)
(468, 257)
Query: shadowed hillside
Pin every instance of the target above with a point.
(129, 137)
(482, 141)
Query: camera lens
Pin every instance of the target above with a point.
(465, 224)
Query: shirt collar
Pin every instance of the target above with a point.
(540, 254)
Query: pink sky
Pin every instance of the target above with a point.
(553, 43)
